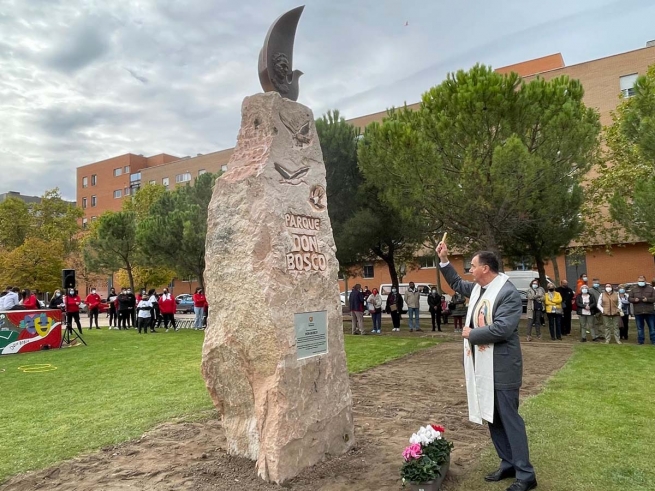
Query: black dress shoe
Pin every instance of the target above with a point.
(499, 475)
(520, 485)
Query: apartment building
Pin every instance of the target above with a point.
(101, 186)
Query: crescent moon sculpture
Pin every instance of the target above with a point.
(276, 72)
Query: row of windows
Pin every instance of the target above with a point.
(94, 201)
(94, 181)
(119, 171)
(118, 193)
(85, 221)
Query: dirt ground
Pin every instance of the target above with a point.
(391, 401)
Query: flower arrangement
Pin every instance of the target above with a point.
(424, 457)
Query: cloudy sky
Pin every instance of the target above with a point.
(85, 80)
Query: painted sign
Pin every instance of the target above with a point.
(311, 334)
(29, 330)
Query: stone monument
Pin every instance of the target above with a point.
(273, 358)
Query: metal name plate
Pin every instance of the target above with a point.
(311, 334)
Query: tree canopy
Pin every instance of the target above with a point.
(496, 160)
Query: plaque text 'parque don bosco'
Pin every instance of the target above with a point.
(305, 255)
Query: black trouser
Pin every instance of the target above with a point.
(133, 317)
(113, 316)
(171, 318)
(70, 316)
(566, 322)
(436, 319)
(623, 326)
(555, 326)
(155, 317)
(143, 323)
(445, 317)
(124, 319)
(395, 318)
(508, 434)
(93, 314)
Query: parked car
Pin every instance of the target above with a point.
(184, 303)
(425, 289)
(103, 308)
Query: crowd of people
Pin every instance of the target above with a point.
(145, 311)
(603, 311)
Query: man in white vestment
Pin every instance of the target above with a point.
(493, 362)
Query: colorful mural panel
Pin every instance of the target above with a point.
(29, 330)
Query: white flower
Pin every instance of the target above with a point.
(427, 434)
(415, 439)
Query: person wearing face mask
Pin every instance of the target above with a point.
(124, 315)
(394, 307)
(596, 290)
(642, 298)
(553, 303)
(131, 308)
(586, 310)
(356, 304)
(93, 301)
(199, 302)
(535, 311)
(167, 307)
(155, 311)
(583, 280)
(625, 312)
(113, 313)
(434, 303)
(413, 301)
(609, 306)
(567, 306)
(374, 303)
(72, 303)
(57, 301)
(458, 311)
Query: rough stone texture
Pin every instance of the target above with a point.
(285, 413)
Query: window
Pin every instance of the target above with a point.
(83, 203)
(93, 219)
(85, 182)
(201, 172)
(427, 262)
(94, 180)
(183, 177)
(627, 83)
(118, 193)
(118, 172)
(152, 183)
(126, 191)
(224, 168)
(368, 271)
(84, 222)
(467, 265)
(94, 201)
(164, 181)
(126, 170)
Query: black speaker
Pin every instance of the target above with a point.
(68, 278)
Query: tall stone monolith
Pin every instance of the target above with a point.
(273, 357)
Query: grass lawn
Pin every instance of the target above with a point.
(118, 387)
(592, 427)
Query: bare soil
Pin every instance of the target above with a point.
(390, 402)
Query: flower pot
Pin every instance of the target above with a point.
(434, 485)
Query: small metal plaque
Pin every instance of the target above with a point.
(311, 334)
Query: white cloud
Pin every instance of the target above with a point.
(81, 81)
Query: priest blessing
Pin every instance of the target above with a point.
(493, 364)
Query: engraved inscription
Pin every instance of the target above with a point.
(305, 254)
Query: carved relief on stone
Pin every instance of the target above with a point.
(317, 197)
(299, 130)
(291, 177)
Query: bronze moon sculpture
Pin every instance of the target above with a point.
(276, 72)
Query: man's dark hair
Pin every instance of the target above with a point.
(15, 289)
(488, 258)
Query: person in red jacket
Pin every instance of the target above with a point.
(167, 307)
(30, 301)
(93, 301)
(73, 302)
(199, 302)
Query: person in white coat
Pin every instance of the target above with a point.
(374, 305)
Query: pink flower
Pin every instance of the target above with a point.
(438, 428)
(412, 452)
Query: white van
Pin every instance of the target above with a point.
(522, 281)
(424, 288)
